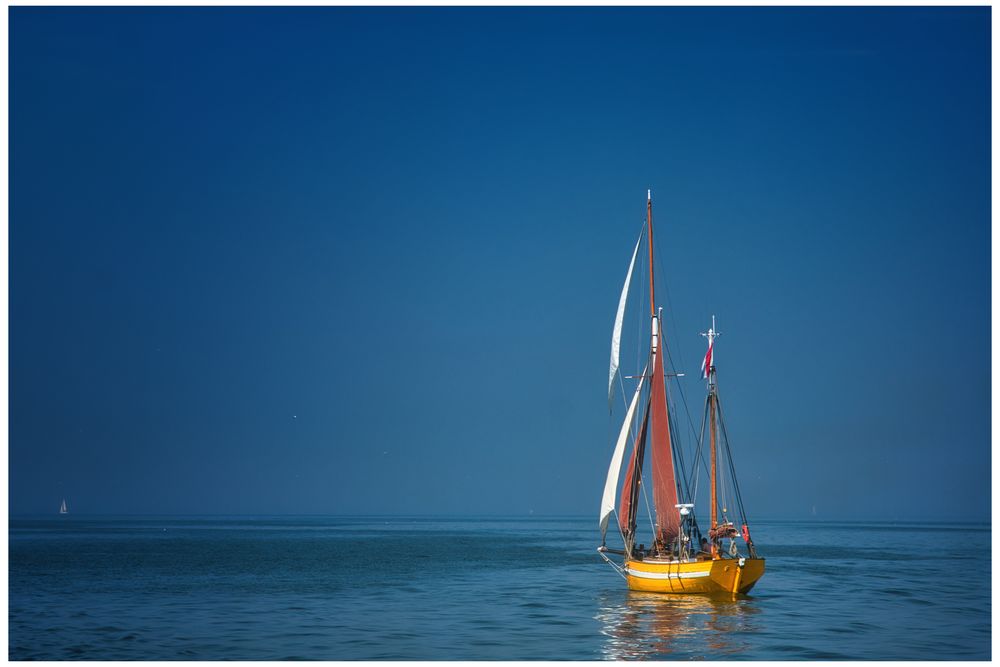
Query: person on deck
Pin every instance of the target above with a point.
(658, 547)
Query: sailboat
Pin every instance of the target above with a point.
(62, 508)
(679, 559)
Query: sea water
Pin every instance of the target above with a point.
(525, 588)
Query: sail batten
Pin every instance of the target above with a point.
(614, 470)
(616, 334)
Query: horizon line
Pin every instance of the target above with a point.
(486, 515)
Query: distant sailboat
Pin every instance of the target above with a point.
(679, 559)
(62, 508)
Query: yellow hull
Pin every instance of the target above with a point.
(710, 576)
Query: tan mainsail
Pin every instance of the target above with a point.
(662, 458)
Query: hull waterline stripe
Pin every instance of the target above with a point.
(667, 575)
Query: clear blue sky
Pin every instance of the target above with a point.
(337, 260)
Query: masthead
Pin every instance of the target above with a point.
(708, 365)
(711, 334)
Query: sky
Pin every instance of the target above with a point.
(367, 260)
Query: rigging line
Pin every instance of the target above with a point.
(610, 416)
(618, 524)
(645, 498)
(678, 451)
(635, 479)
(724, 436)
(632, 432)
(642, 231)
(625, 401)
(666, 289)
(670, 309)
(680, 390)
(612, 455)
(632, 436)
(723, 488)
(685, 473)
(700, 456)
(670, 305)
(618, 569)
(732, 466)
(631, 289)
(729, 455)
(642, 296)
(639, 288)
(736, 485)
(673, 417)
(635, 484)
(642, 486)
(644, 324)
(720, 470)
(622, 384)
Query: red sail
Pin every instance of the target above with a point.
(630, 488)
(664, 484)
(625, 502)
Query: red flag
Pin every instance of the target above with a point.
(706, 364)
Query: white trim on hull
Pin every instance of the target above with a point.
(668, 575)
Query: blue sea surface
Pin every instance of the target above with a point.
(376, 588)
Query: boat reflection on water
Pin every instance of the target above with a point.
(654, 626)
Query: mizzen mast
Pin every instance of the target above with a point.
(709, 368)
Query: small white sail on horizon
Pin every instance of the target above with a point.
(616, 334)
(62, 508)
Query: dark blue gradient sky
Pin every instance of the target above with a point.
(338, 260)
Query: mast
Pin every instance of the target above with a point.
(713, 477)
(649, 229)
(655, 431)
(664, 478)
(714, 504)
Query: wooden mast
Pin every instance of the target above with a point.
(713, 478)
(649, 230)
(653, 342)
(714, 484)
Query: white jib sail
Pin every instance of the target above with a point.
(616, 335)
(608, 501)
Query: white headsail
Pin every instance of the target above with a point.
(616, 335)
(608, 501)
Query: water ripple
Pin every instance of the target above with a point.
(490, 589)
